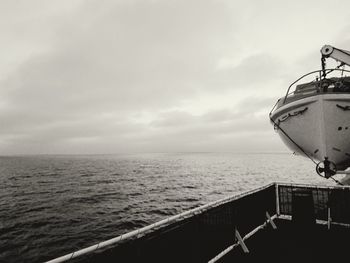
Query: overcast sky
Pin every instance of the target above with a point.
(154, 75)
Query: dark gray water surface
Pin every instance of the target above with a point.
(53, 205)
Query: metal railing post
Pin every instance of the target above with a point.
(329, 219)
(277, 200)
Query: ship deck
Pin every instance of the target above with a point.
(275, 223)
(289, 243)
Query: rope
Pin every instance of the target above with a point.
(296, 113)
(277, 125)
(327, 71)
(335, 180)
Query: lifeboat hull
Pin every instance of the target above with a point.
(318, 125)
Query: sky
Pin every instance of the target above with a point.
(124, 76)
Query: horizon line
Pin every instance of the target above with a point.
(135, 153)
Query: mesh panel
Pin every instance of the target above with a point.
(337, 199)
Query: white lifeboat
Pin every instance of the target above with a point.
(314, 121)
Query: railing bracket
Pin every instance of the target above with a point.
(270, 220)
(241, 242)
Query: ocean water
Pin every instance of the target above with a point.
(53, 205)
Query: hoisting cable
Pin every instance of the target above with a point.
(327, 71)
(335, 180)
(277, 125)
(323, 65)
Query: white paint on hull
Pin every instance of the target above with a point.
(323, 130)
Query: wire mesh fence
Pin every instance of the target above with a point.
(333, 202)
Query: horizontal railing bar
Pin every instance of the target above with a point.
(318, 221)
(161, 223)
(314, 186)
(249, 235)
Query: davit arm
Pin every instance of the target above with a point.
(340, 55)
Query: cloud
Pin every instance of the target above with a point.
(123, 55)
(92, 76)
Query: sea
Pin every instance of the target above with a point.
(51, 205)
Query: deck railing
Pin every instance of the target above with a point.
(204, 233)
